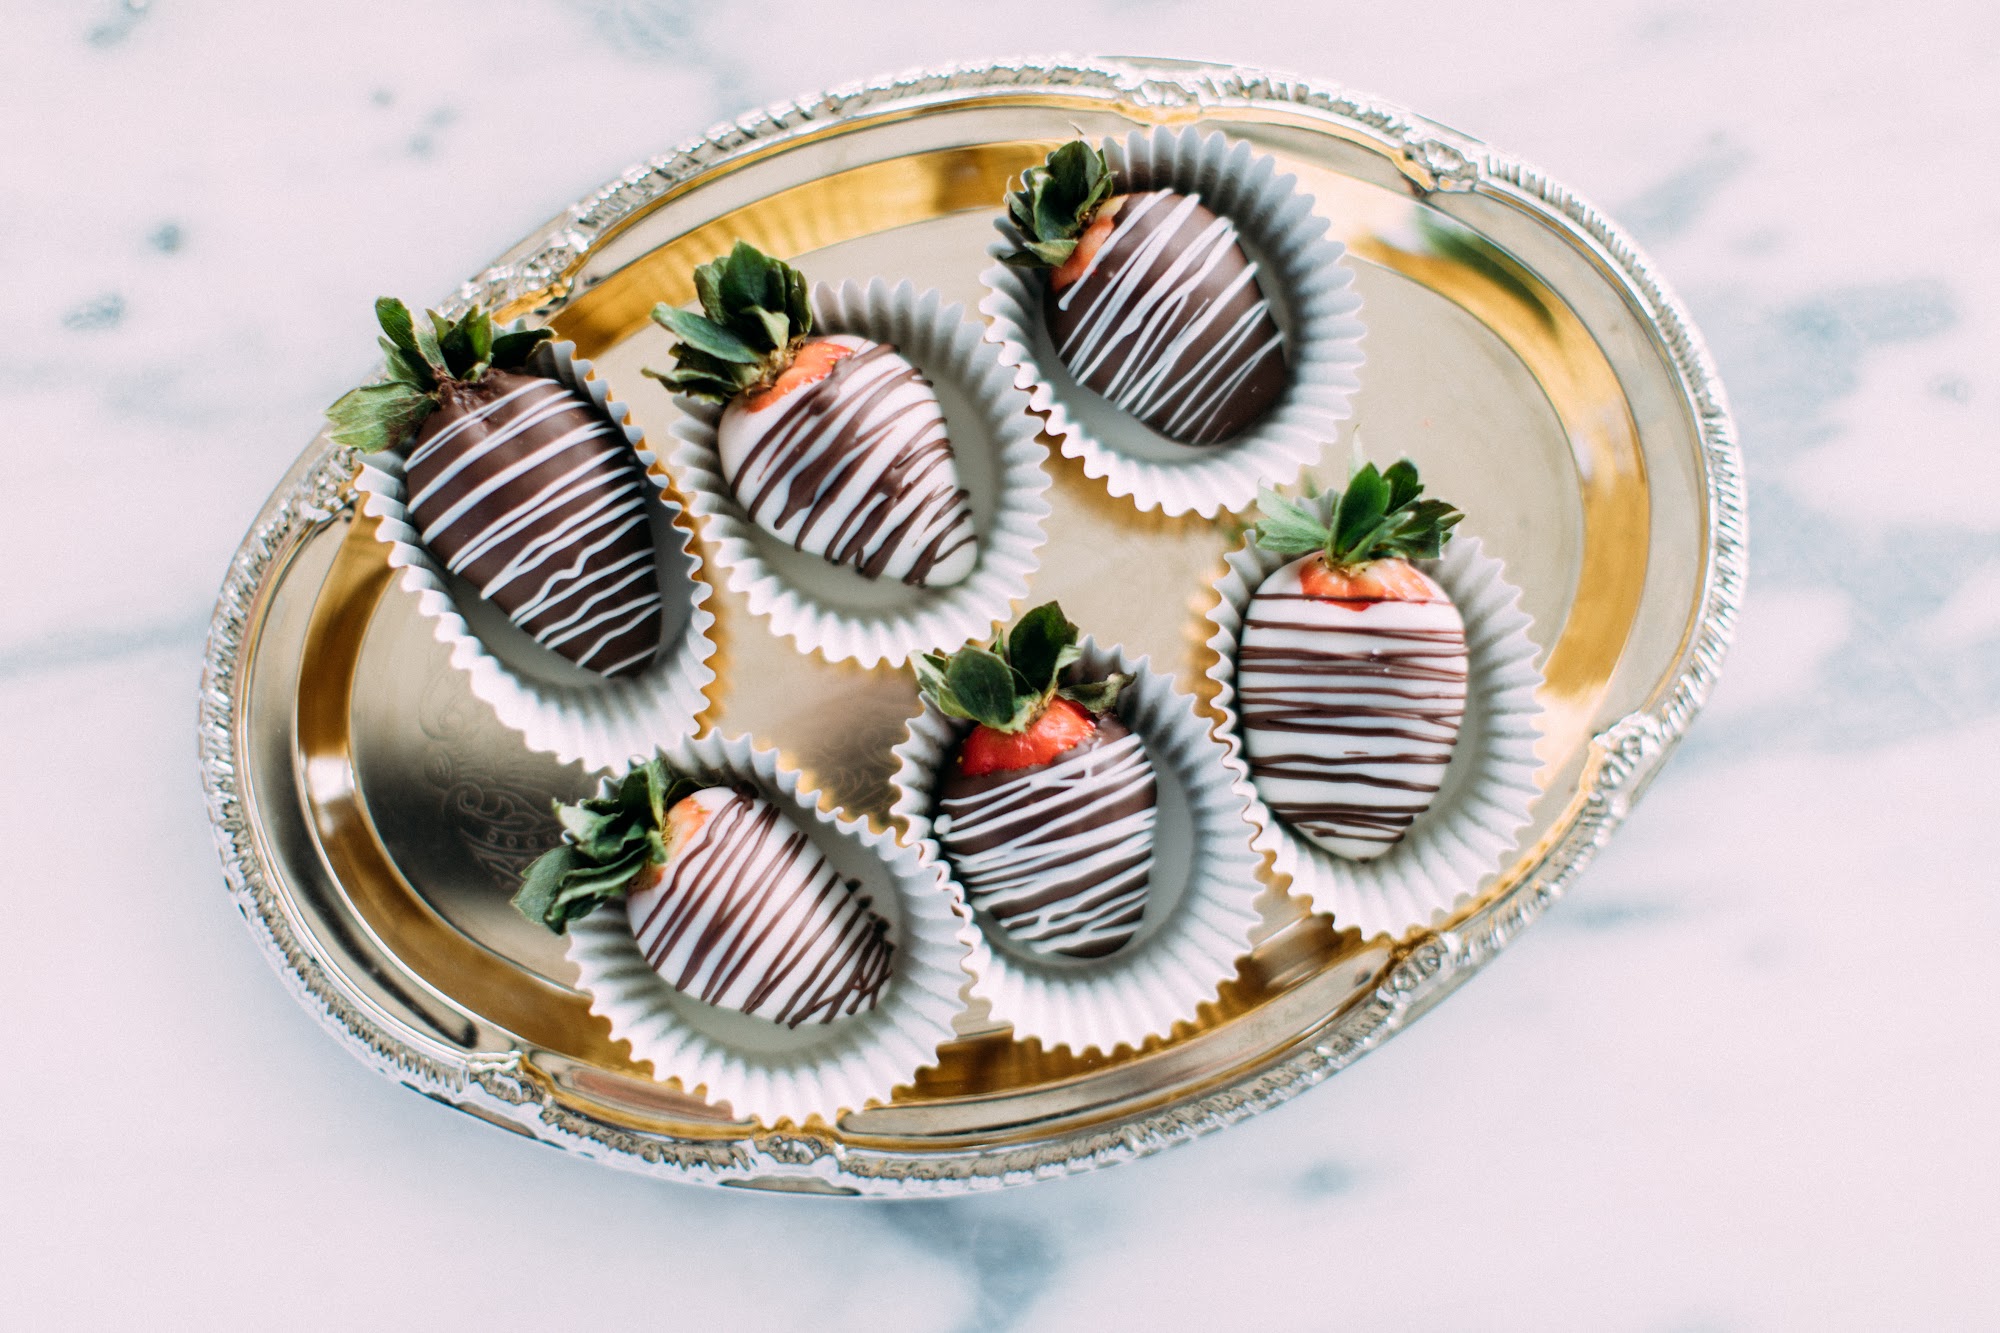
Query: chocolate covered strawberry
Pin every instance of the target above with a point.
(517, 484)
(1352, 669)
(729, 902)
(836, 445)
(1151, 301)
(1046, 811)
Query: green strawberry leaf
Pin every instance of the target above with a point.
(706, 336)
(397, 326)
(543, 883)
(1286, 527)
(1403, 483)
(931, 682)
(1098, 696)
(1362, 506)
(478, 328)
(406, 367)
(467, 343)
(747, 280)
(1378, 517)
(773, 327)
(511, 350)
(1056, 202)
(1041, 644)
(608, 842)
(1007, 686)
(755, 312)
(426, 336)
(984, 687)
(702, 376)
(378, 416)
(708, 289)
(798, 303)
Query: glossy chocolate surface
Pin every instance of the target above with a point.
(1168, 322)
(1057, 855)
(520, 487)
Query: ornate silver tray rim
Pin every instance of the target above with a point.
(495, 1089)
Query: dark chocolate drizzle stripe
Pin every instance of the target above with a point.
(1340, 711)
(519, 486)
(750, 916)
(860, 464)
(1059, 855)
(1168, 322)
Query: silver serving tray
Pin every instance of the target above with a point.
(371, 815)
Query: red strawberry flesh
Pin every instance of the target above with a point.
(1376, 581)
(814, 362)
(1087, 245)
(1061, 727)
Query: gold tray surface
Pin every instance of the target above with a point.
(372, 815)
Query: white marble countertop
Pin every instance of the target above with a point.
(1743, 1078)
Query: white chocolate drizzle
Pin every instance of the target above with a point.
(1350, 709)
(1139, 325)
(748, 915)
(565, 516)
(1060, 855)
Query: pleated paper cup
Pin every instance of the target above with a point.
(1313, 299)
(834, 609)
(557, 706)
(1201, 904)
(759, 1069)
(1489, 786)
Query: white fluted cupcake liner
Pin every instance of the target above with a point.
(1201, 906)
(1312, 294)
(557, 706)
(1489, 786)
(833, 609)
(758, 1068)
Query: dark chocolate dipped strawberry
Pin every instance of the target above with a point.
(1046, 810)
(835, 444)
(1151, 303)
(517, 484)
(729, 901)
(1351, 676)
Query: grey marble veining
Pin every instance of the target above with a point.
(1741, 1078)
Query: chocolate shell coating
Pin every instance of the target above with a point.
(855, 468)
(522, 488)
(1058, 855)
(748, 915)
(1168, 322)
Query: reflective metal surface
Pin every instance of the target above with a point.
(372, 814)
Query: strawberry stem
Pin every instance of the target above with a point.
(610, 845)
(1378, 517)
(424, 360)
(1009, 685)
(1056, 202)
(755, 313)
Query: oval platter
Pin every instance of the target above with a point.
(372, 816)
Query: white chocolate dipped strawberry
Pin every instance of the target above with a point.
(729, 901)
(836, 444)
(1046, 811)
(1351, 674)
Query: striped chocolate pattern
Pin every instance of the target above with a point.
(748, 915)
(1350, 709)
(1168, 322)
(1058, 856)
(855, 468)
(521, 487)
